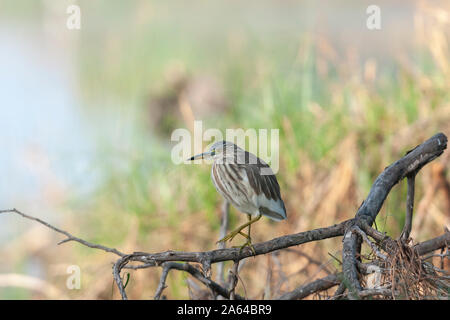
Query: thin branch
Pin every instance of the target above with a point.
(312, 287)
(441, 255)
(220, 277)
(197, 274)
(372, 245)
(409, 207)
(69, 236)
(281, 275)
(310, 260)
(120, 263)
(340, 291)
(433, 244)
(162, 280)
(234, 272)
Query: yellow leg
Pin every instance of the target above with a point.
(248, 243)
(238, 230)
(247, 236)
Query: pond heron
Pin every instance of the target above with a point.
(247, 182)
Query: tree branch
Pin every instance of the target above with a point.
(349, 263)
(408, 165)
(433, 244)
(312, 287)
(409, 207)
(413, 161)
(67, 234)
(223, 232)
(214, 286)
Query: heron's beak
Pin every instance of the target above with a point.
(200, 156)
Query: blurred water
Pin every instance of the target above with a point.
(43, 141)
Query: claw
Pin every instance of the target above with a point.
(248, 244)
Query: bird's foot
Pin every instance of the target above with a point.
(248, 244)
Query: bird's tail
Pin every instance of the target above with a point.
(274, 215)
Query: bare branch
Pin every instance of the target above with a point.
(433, 244)
(223, 231)
(413, 161)
(349, 264)
(372, 245)
(214, 286)
(409, 207)
(312, 287)
(408, 165)
(120, 263)
(67, 234)
(234, 272)
(339, 293)
(234, 254)
(162, 280)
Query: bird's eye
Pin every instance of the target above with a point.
(213, 152)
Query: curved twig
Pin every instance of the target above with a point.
(69, 236)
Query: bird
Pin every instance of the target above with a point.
(246, 182)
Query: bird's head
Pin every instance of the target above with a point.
(218, 150)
